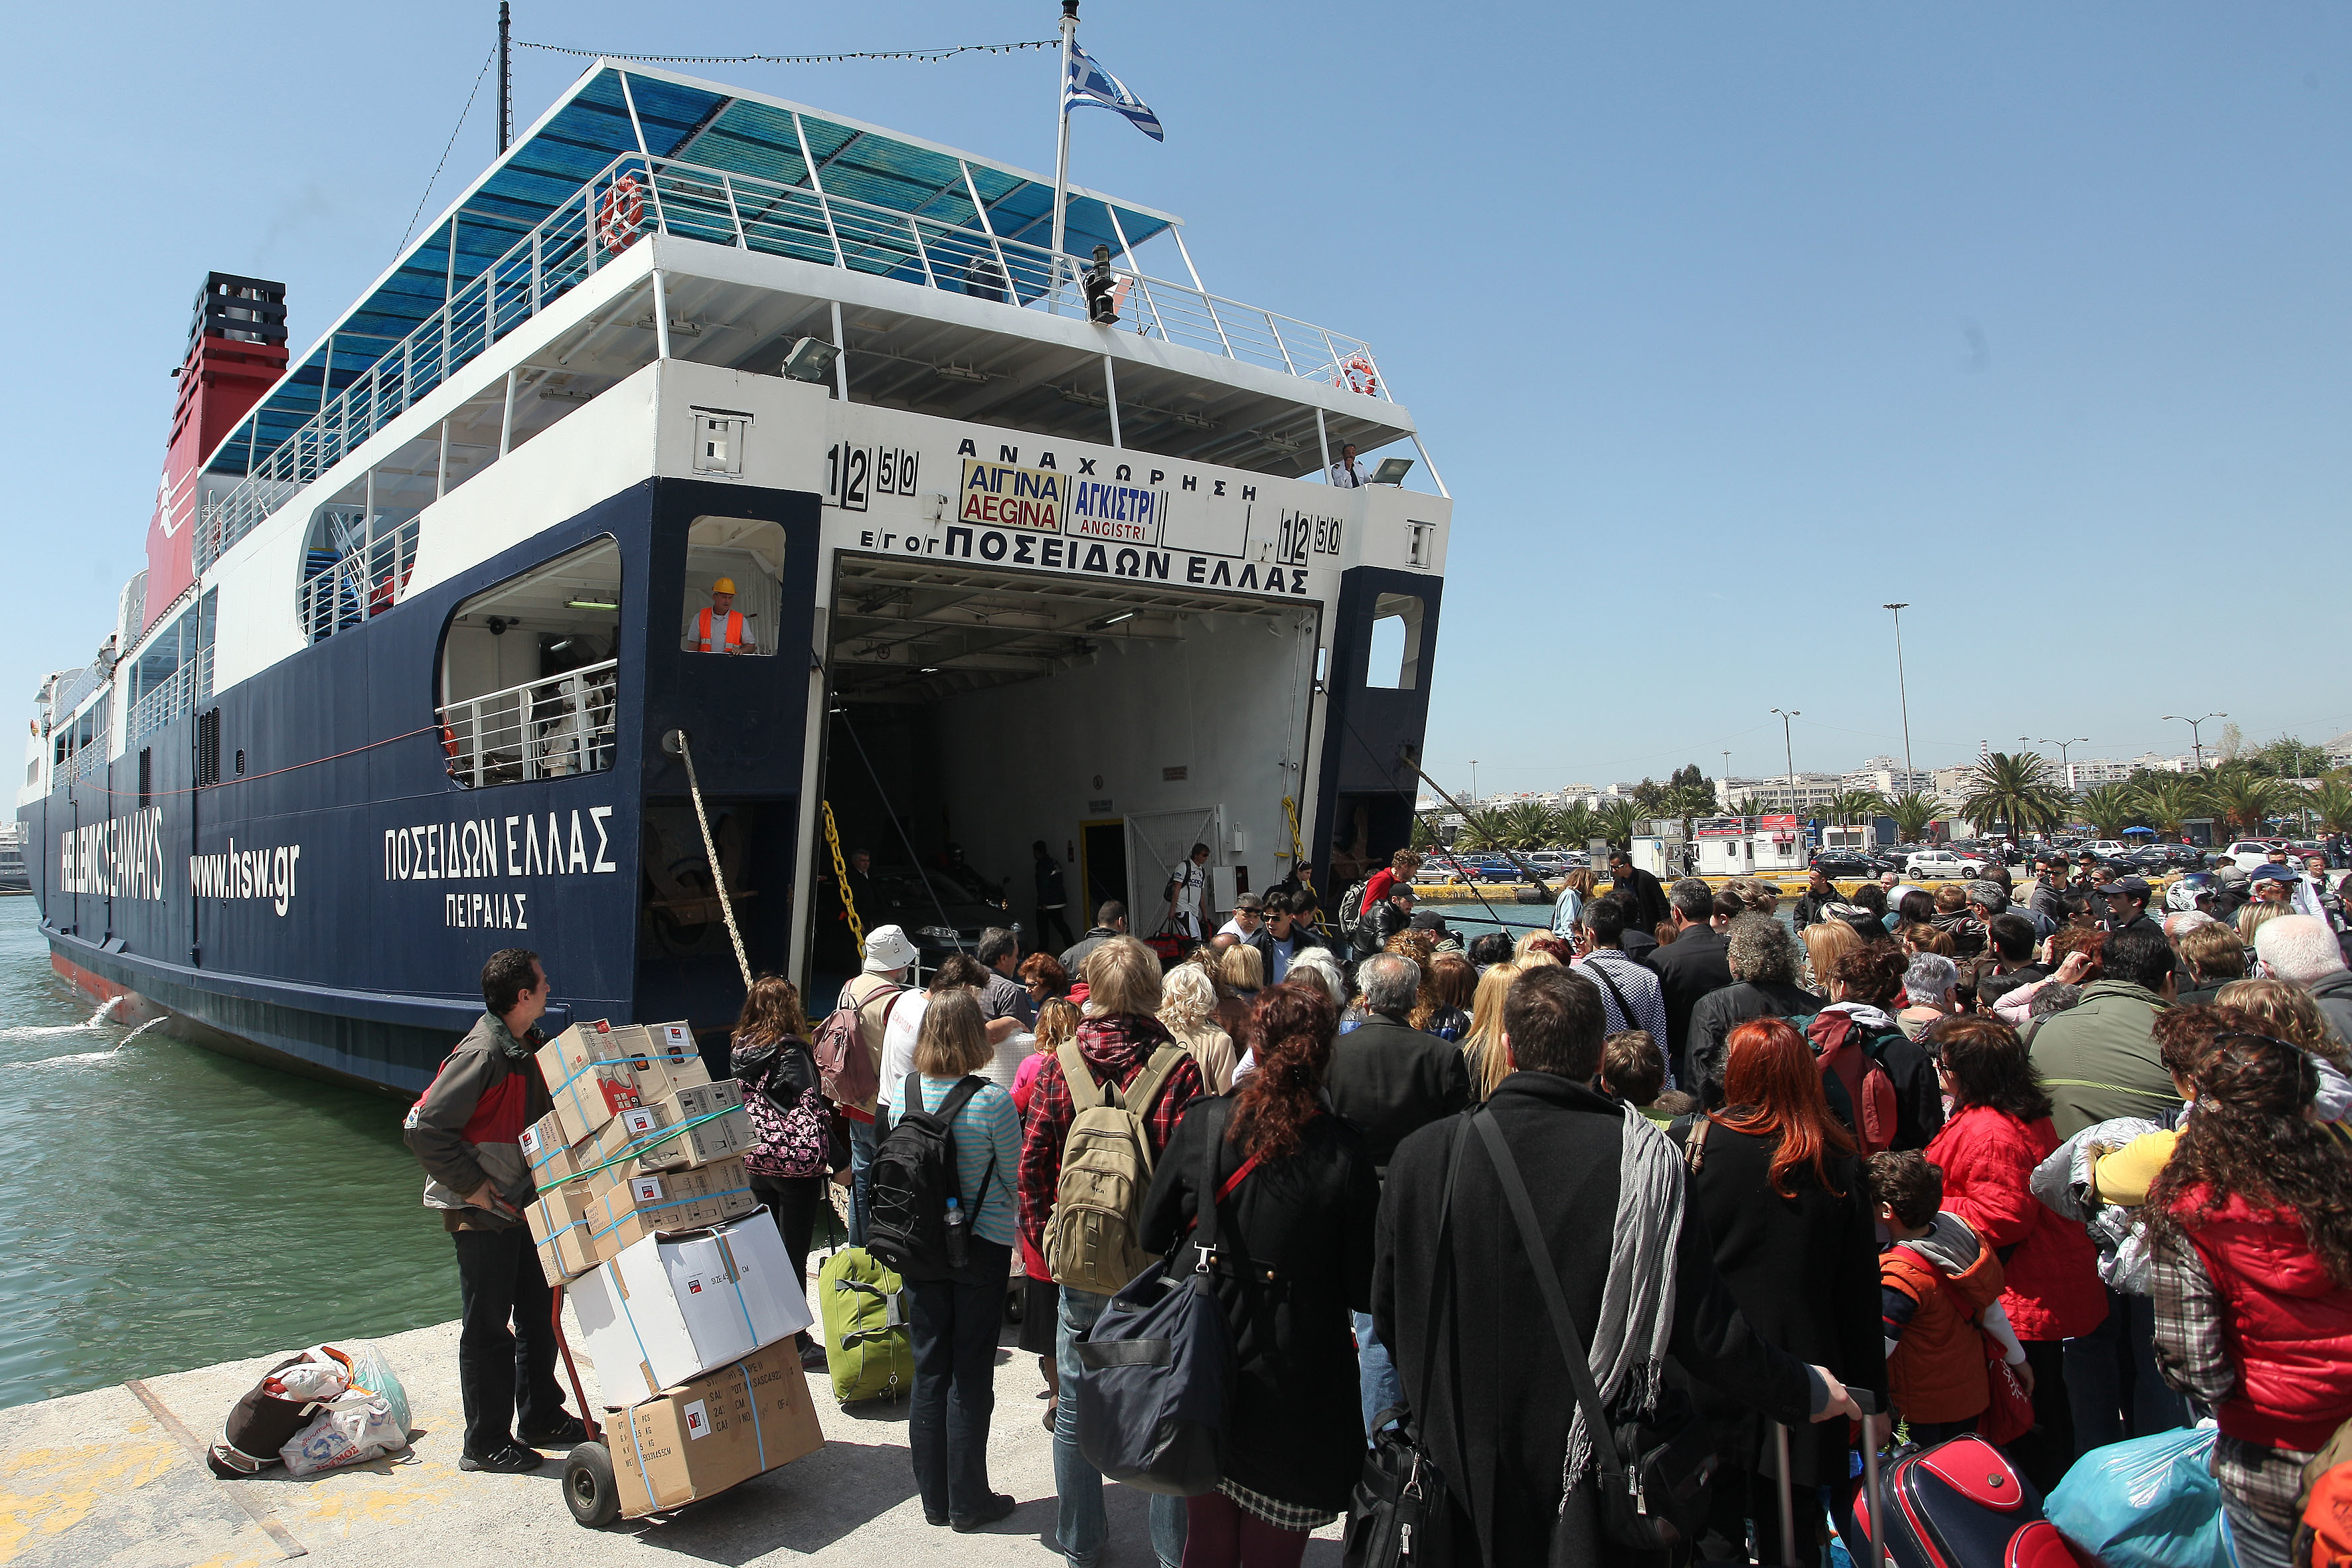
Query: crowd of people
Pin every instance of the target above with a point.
(1773, 1168)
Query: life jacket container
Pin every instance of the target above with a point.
(733, 635)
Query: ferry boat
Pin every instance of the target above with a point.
(13, 877)
(416, 669)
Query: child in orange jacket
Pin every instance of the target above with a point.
(1937, 1285)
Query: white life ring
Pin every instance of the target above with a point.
(1357, 375)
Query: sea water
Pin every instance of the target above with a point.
(168, 1207)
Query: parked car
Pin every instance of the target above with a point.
(1947, 864)
(2249, 853)
(2189, 857)
(2105, 848)
(2150, 857)
(1844, 863)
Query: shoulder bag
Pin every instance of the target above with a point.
(1156, 1371)
(1399, 1517)
(1652, 1470)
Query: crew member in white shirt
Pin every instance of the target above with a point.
(1347, 474)
(1191, 887)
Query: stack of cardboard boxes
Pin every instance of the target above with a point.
(679, 1281)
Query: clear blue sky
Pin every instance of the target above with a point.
(1726, 323)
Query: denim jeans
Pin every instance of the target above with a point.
(862, 1138)
(1381, 1388)
(954, 1323)
(1082, 1525)
(2112, 1370)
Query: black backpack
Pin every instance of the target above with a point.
(913, 1177)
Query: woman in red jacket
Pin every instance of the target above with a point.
(2000, 1130)
(2250, 1227)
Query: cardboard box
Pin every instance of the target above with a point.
(670, 1308)
(664, 1059)
(558, 1218)
(586, 1069)
(715, 1127)
(712, 1432)
(546, 1152)
(622, 1211)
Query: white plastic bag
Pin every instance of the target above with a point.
(353, 1429)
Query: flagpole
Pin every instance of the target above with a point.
(1062, 146)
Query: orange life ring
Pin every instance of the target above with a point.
(1358, 375)
(620, 213)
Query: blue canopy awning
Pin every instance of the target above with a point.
(696, 122)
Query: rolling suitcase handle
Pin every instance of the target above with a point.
(1788, 1498)
(1869, 1403)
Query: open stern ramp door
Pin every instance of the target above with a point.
(997, 710)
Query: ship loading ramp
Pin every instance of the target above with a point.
(1119, 722)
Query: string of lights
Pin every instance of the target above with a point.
(797, 60)
(444, 163)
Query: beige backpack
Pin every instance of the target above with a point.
(1106, 1171)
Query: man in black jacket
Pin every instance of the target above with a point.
(1636, 892)
(1053, 897)
(1390, 1079)
(1695, 962)
(1766, 959)
(1490, 1391)
(1819, 895)
(465, 1133)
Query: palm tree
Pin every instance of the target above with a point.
(2018, 790)
(2109, 809)
(2168, 800)
(1525, 825)
(1912, 811)
(1577, 825)
(2332, 803)
(1423, 836)
(1620, 820)
(1749, 806)
(1848, 806)
(1482, 830)
(2244, 800)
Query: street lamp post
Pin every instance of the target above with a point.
(2196, 737)
(1902, 690)
(1473, 781)
(2065, 766)
(1788, 747)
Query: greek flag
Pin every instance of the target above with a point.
(1089, 83)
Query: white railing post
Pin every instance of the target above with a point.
(980, 210)
(539, 259)
(1203, 289)
(588, 217)
(579, 722)
(922, 254)
(474, 729)
(1284, 348)
(727, 184)
(816, 185)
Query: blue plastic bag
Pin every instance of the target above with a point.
(2151, 1503)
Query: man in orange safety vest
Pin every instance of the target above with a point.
(721, 628)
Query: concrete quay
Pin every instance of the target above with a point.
(115, 1477)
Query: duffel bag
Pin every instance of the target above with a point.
(1156, 1371)
(862, 1305)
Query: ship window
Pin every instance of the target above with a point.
(719, 436)
(751, 555)
(173, 670)
(355, 566)
(528, 677)
(1395, 660)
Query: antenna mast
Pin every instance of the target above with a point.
(506, 92)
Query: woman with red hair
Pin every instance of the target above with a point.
(1775, 1175)
(2000, 1130)
(1295, 1195)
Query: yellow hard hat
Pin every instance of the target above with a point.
(724, 585)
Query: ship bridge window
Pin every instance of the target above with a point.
(355, 564)
(747, 554)
(528, 677)
(1395, 660)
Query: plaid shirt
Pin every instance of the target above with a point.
(2193, 1353)
(1116, 1048)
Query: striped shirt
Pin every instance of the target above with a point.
(986, 1130)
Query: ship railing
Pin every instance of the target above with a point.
(177, 694)
(632, 196)
(541, 730)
